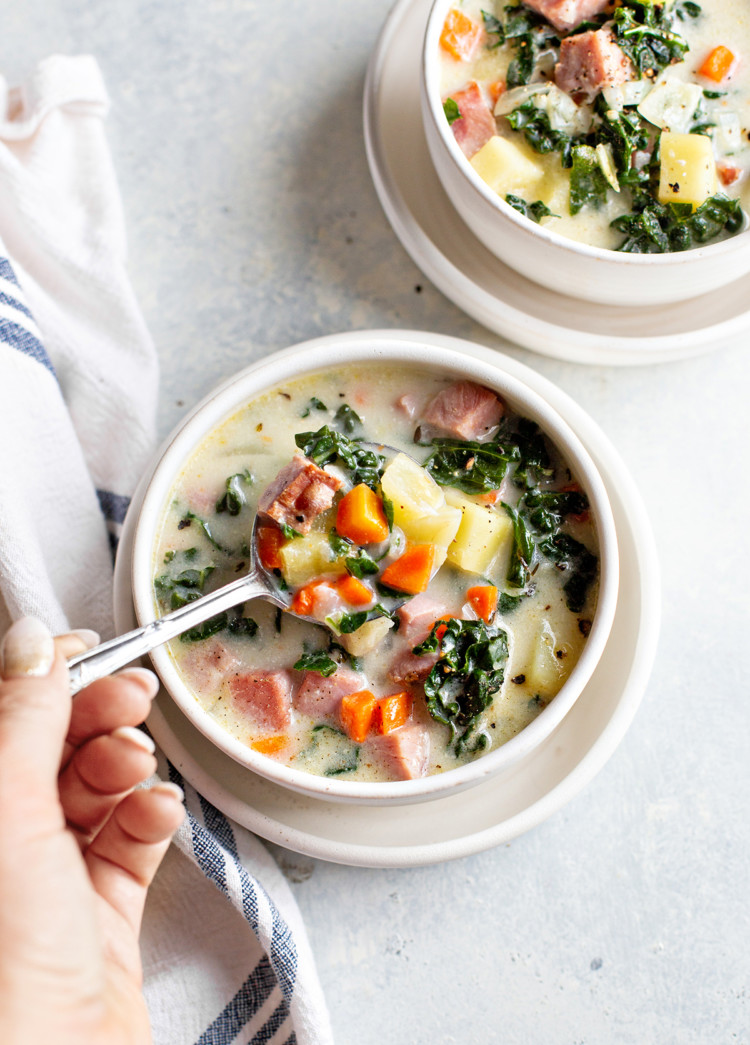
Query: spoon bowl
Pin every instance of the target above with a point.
(258, 582)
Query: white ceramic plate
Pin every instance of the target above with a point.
(450, 256)
(506, 805)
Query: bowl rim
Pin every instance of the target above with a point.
(429, 81)
(336, 350)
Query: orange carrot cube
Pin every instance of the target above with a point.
(483, 600)
(353, 591)
(412, 572)
(717, 64)
(393, 711)
(360, 516)
(461, 35)
(357, 711)
(269, 745)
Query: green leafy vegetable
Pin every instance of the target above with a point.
(185, 586)
(348, 751)
(571, 556)
(546, 509)
(536, 128)
(534, 464)
(451, 110)
(347, 419)
(327, 445)
(318, 661)
(535, 211)
(469, 671)
(233, 499)
(189, 518)
(339, 545)
(469, 466)
(645, 32)
(361, 565)
(659, 228)
(314, 404)
(232, 621)
(349, 622)
(588, 186)
(522, 552)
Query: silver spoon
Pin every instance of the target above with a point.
(117, 653)
(258, 582)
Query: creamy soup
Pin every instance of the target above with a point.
(448, 578)
(625, 125)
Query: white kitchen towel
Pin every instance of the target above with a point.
(226, 956)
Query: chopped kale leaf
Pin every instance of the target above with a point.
(535, 211)
(469, 466)
(233, 499)
(588, 186)
(318, 661)
(570, 555)
(469, 671)
(452, 113)
(535, 126)
(327, 445)
(659, 228)
(645, 32)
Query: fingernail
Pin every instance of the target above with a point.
(135, 736)
(145, 678)
(28, 649)
(88, 637)
(169, 788)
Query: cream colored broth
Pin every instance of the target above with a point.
(722, 22)
(259, 438)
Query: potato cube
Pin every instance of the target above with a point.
(546, 671)
(419, 506)
(484, 532)
(367, 637)
(305, 558)
(688, 169)
(508, 167)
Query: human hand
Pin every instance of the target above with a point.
(78, 846)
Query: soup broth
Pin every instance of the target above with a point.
(621, 125)
(452, 589)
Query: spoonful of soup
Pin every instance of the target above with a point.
(338, 561)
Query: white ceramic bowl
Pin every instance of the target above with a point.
(540, 254)
(304, 359)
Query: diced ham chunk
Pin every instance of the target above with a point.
(408, 667)
(209, 663)
(408, 404)
(477, 124)
(465, 411)
(405, 751)
(299, 493)
(320, 697)
(417, 616)
(591, 61)
(266, 696)
(565, 15)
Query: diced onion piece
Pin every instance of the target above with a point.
(671, 105)
(727, 133)
(632, 92)
(564, 114)
(606, 159)
(516, 96)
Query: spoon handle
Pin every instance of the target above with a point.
(117, 653)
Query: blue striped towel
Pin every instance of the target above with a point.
(226, 958)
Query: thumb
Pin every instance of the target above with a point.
(35, 706)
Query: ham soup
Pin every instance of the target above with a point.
(623, 125)
(448, 579)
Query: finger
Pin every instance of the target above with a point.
(124, 857)
(76, 642)
(120, 700)
(98, 776)
(34, 709)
